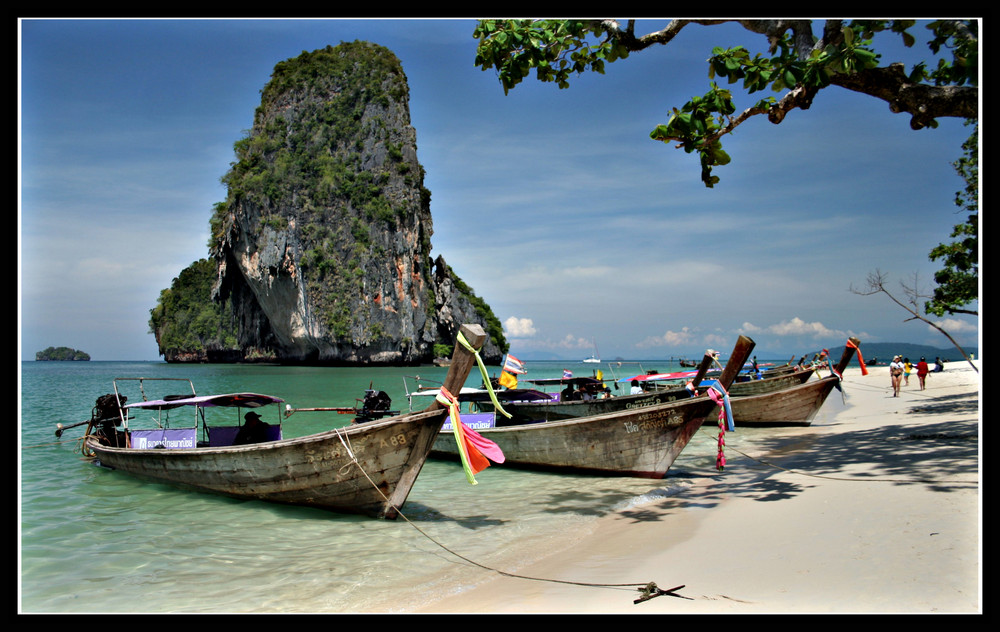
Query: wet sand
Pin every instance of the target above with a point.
(874, 509)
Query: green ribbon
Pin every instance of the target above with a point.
(451, 402)
(486, 378)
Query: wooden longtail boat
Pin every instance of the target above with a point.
(792, 406)
(749, 374)
(770, 382)
(364, 468)
(523, 412)
(553, 410)
(640, 442)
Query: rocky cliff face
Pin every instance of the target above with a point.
(323, 243)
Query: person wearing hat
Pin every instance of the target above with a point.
(896, 372)
(253, 431)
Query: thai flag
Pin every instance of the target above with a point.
(513, 365)
(567, 374)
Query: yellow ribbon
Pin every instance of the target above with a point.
(486, 379)
(451, 402)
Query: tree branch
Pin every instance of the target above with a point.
(876, 285)
(890, 84)
(924, 102)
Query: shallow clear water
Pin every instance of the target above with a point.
(94, 540)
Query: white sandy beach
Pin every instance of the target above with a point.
(873, 509)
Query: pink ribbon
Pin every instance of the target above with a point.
(721, 397)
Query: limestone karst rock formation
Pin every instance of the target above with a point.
(323, 244)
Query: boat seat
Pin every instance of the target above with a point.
(225, 435)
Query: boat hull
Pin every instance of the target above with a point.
(315, 471)
(555, 411)
(550, 411)
(771, 383)
(794, 406)
(639, 442)
(642, 442)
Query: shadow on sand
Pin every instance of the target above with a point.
(940, 452)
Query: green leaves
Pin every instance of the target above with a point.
(735, 64)
(554, 49)
(958, 279)
(697, 126)
(962, 39)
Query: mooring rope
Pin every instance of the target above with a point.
(647, 590)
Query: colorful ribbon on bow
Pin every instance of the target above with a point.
(692, 391)
(475, 450)
(840, 378)
(861, 361)
(486, 378)
(721, 397)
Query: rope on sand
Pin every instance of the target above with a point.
(646, 590)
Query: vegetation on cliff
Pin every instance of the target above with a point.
(324, 201)
(187, 322)
(61, 353)
(301, 169)
(491, 324)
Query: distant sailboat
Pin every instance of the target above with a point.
(594, 358)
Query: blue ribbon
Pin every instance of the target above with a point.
(724, 397)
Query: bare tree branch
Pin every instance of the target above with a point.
(876, 285)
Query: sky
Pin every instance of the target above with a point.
(555, 206)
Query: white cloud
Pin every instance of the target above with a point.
(515, 327)
(955, 326)
(602, 232)
(794, 327)
(574, 342)
(680, 338)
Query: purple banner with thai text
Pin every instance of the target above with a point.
(170, 439)
(476, 421)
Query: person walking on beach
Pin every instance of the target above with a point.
(922, 371)
(907, 368)
(896, 373)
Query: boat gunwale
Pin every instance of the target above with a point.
(601, 416)
(811, 384)
(348, 431)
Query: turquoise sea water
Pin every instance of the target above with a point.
(94, 540)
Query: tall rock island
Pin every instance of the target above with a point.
(322, 248)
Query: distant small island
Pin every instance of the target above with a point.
(61, 353)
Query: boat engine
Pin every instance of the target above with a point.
(375, 405)
(106, 417)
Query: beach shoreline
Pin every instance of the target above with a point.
(873, 509)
